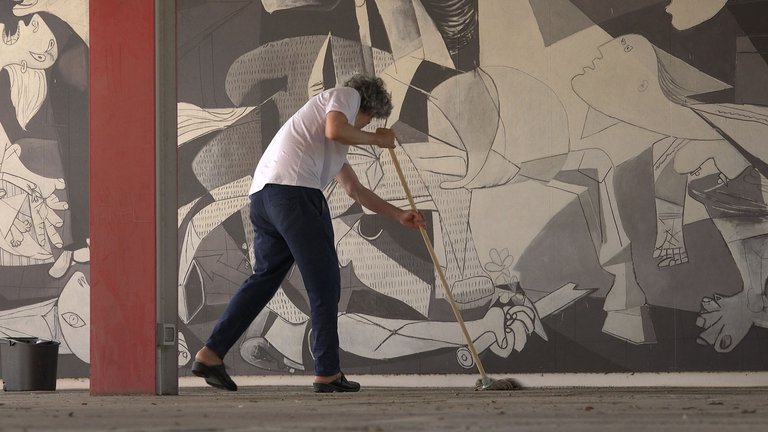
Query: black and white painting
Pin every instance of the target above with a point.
(44, 241)
(593, 175)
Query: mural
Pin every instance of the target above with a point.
(44, 245)
(593, 174)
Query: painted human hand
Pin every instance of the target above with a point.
(15, 172)
(18, 228)
(45, 220)
(726, 320)
(511, 325)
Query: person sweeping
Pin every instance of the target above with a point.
(292, 223)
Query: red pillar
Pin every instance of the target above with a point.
(122, 209)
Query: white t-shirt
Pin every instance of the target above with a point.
(300, 154)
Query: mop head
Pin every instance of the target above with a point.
(508, 384)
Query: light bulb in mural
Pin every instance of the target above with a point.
(690, 13)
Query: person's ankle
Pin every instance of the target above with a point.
(207, 357)
(327, 379)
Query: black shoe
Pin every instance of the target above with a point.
(340, 384)
(215, 376)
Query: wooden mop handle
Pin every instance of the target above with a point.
(438, 268)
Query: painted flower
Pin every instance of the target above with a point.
(500, 264)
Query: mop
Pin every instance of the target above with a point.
(485, 382)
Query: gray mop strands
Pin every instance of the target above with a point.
(485, 382)
(488, 383)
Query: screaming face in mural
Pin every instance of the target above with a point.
(32, 45)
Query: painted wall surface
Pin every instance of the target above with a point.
(44, 172)
(593, 173)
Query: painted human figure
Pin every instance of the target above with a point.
(713, 151)
(45, 65)
(29, 49)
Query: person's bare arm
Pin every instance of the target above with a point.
(368, 199)
(338, 129)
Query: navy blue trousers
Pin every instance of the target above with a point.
(291, 224)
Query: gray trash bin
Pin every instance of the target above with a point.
(29, 364)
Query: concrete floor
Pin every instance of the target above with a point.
(393, 409)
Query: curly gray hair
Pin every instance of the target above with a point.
(374, 98)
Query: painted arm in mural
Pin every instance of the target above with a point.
(675, 161)
(274, 343)
(39, 221)
(502, 330)
(669, 191)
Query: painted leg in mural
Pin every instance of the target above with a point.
(228, 199)
(726, 320)
(605, 225)
(675, 162)
(669, 190)
(625, 304)
(735, 196)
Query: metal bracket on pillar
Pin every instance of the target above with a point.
(166, 335)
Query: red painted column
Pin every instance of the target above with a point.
(122, 208)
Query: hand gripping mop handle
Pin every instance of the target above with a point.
(439, 269)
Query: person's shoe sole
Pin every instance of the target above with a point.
(330, 388)
(215, 376)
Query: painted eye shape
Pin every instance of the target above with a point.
(73, 320)
(38, 57)
(628, 48)
(623, 41)
(51, 44)
(643, 86)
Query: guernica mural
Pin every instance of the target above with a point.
(44, 244)
(593, 173)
